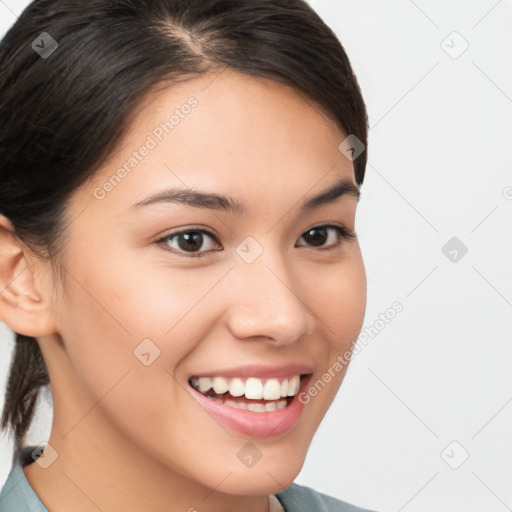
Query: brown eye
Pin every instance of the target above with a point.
(326, 236)
(316, 236)
(190, 242)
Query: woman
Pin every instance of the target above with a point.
(178, 188)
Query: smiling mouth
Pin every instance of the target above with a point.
(252, 394)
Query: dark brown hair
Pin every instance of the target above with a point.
(62, 114)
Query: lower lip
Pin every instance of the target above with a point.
(255, 424)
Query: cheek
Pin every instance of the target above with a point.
(124, 338)
(139, 302)
(353, 300)
(339, 301)
(130, 318)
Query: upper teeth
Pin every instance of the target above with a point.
(253, 388)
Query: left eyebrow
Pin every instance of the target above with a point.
(206, 200)
(340, 189)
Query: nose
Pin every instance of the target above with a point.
(266, 302)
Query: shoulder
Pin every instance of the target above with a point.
(300, 498)
(16, 494)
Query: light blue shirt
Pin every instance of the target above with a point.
(18, 496)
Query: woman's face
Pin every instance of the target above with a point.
(259, 289)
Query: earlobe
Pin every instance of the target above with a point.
(22, 308)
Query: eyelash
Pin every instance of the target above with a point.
(343, 234)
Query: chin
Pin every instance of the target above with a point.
(268, 479)
(279, 463)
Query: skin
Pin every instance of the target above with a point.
(128, 436)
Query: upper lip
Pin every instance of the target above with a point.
(258, 371)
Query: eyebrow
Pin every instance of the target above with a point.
(206, 200)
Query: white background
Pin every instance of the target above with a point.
(440, 159)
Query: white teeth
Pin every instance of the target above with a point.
(254, 389)
(220, 385)
(293, 385)
(281, 404)
(271, 406)
(236, 405)
(272, 390)
(257, 407)
(205, 384)
(284, 387)
(236, 387)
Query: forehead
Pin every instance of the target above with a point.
(227, 132)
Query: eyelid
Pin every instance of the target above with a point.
(192, 227)
(349, 233)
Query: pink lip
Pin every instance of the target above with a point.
(255, 424)
(260, 371)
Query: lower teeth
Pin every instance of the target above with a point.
(268, 406)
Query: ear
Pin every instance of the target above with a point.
(23, 307)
